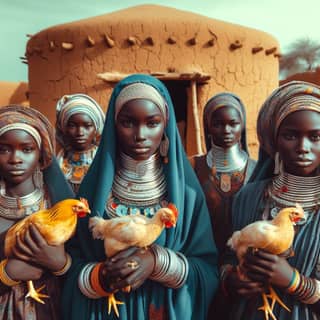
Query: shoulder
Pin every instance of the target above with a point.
(197, 160)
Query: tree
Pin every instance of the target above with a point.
(303, 55)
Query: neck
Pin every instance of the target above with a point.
(21, 189)
(227, 159)
(282, 219)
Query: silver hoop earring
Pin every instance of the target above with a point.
(164, 147)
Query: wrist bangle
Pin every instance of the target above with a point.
(65, 268)
(95, 281)
(4, 277)
(294, 282)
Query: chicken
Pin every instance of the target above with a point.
(128, 231)
(56, 225)
(275, 236)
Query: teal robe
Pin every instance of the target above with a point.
(192, 235)
(248, 207)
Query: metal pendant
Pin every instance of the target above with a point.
(225, 182)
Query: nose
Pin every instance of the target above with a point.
(15, 157)
(303, 145)
(140, 134)
(226, 129)
(80, 131)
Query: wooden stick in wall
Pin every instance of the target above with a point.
(196, 115)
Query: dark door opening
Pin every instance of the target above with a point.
(179, 94)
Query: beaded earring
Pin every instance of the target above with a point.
(164, 148)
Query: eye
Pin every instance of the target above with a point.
(153, 123)
(126, 123)
(315, 137)
(88, 125)
(4, 149)
(28, 149)
(289, 136)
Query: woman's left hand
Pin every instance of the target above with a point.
(265, 267)
(32, 247)
(130, 267)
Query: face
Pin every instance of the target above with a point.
(19, 157)
(298, 143)
(225, 127)
(140, 126)
(80, 132)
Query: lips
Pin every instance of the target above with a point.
(16, 172)
(303, 163)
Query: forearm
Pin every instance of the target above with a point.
(171, 268)
(306, 290)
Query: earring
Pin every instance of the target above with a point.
(164, 148)
(278, 165)
(38, 178)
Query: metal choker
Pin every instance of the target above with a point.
(286, 190)
(15, 208)
(227, 160)
(139, 183)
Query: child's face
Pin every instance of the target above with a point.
(19, 156)
(140, 126)
(80, 132)
(298, 143)
(225, 127)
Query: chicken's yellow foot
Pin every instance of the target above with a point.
(35, 293)
(113, 303)
(275, 298)
(266, 308)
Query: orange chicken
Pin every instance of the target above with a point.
(132, 230)
(56, 225)
(275, 236)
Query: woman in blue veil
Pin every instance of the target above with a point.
(190, 242)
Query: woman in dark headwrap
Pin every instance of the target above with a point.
(30, 180)
(139, 122)
(287, 173)
(226, 167)
(79, 126)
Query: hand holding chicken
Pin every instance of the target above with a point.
(39, 239)
(126, 241)
(265, 266)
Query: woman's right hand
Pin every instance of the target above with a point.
(21, 271)
(235, 283)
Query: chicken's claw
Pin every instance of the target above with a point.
(268, 310)
(113, 303)
(35, 293)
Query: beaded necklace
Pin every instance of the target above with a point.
(227, 165)
(75, 164)
(138, 187)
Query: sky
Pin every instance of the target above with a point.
(286, 20)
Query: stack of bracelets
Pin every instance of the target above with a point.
(171, 269)
(305, 289)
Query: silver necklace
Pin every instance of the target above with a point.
(286, 190)
(138, 184)
(227, 160)
(14, 208)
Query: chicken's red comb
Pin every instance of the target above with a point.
(84, 201)
(172, 207)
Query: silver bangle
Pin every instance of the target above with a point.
(171, 268)
(316, 295)
(84, 282)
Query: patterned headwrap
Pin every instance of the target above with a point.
(69, 105)
(15, 117)
(220, 100)
(288, 98)
(141, 91)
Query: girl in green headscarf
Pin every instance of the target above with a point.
(139, 131)
(287, 173)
